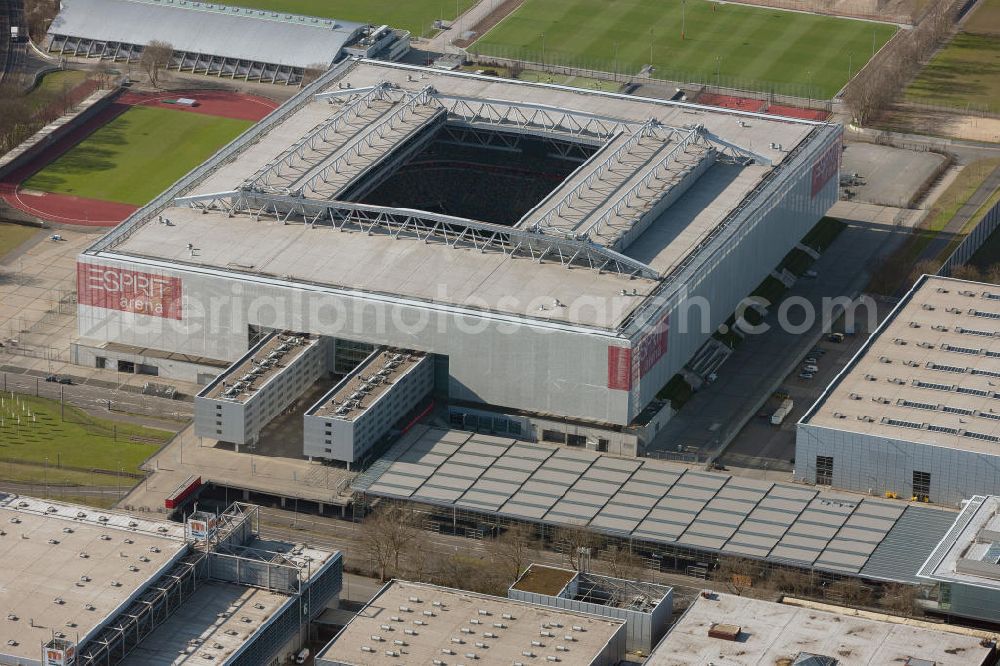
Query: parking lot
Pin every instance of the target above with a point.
(763, 446)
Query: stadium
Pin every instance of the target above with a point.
(540, 243)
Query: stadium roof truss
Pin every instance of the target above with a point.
(420, 225)
(303, 183)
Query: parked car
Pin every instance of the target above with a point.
(812, 360)
(810, 368)
(65, 380)
(810, 274)
(51, 378)
(806, 375)
(836, 337)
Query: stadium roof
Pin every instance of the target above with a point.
(296, 164)
(440, 621)
(210, 28)
(929, 374)
(773, 633)
(970, 552)
(71, 569)
(660, 502)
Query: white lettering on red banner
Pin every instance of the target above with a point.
(128, 291)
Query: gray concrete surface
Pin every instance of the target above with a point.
(718, 412)
(892, 176)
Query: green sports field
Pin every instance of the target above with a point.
(71, 437)
(137, 155)
(417, 16)
(734, 45)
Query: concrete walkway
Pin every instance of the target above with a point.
(441, 42)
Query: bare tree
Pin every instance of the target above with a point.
(622, 562)
(739, 574)
(850, 592)
(577, 544)
(514, 550)
(901, 599)
(155, 56)
(312, 72)
(388, 533)
(38, 15)
(967, 272)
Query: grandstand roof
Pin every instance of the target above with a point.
(311, 150)
(660, 502)
(210, 28)
(928, 374)
(970, 552)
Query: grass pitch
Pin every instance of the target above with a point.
(734, 45)
(137, 155)
(78, 440)
(417, 16)
(13, 236)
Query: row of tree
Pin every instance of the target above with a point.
(397, 544)
(881, 82)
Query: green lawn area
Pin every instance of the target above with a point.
(12, 235)
(137, 155)
(53, 85)
(417, 16)
(80, 440)
(733, 44)
(966, 73)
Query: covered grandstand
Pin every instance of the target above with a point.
(538, 241)
(207, 38)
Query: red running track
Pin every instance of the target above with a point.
(66, 209)
(761, 106)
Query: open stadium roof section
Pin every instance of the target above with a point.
(929, 374)
(229, 41)
(653, 188)
(659, 502)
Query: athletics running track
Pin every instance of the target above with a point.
(66, 209)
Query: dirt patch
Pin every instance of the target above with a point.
(544, 580)
(951, 124)
(502, 11)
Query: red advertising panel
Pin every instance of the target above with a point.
(826, 167)
(619, 368)
(651, 348)
(128, 291)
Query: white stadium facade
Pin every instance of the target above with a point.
(541, 243)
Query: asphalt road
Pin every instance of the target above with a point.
(13, 56)
(96, 399)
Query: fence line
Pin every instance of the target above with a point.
(801, 95)
(971, 243)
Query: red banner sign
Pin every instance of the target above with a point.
(826, 167)
(619, 368)
(651, 348)
(128, 291)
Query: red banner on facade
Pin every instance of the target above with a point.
(619, 368)
(651, 348)
(128, 291)
(826, 167)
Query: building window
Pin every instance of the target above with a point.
(921, 486)
(824, 470)
(576, 440)
(514, 428)
(554, 436)
(102, 362)
(602, 445)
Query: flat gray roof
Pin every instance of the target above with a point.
(929, 374)
(218, 619)
(210, 28)
(386, 266)
(61, 563)
(269, 358)
(373, 379)
(447, 624)
(970, 552)
(659, 502)
(772, 632)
